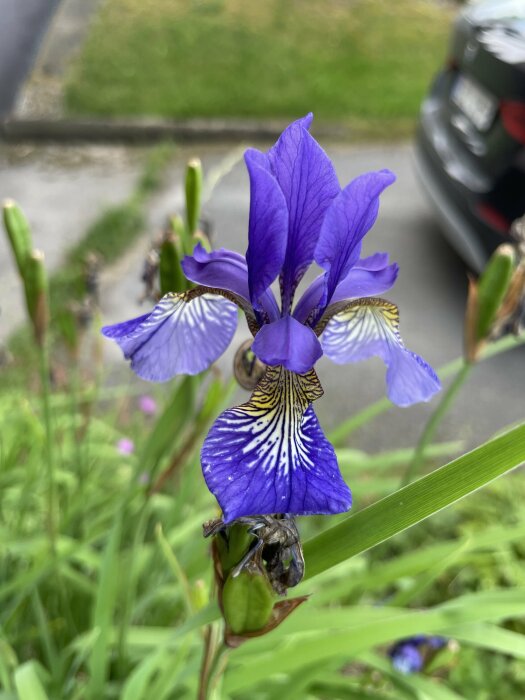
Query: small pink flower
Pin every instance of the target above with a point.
(125, 446)
(148, 405)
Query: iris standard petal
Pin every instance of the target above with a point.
(268, 229)
(369, 277)
(349, 217)
(182, 335)
(365, 282)
(225, 269)
(308, 181)
(270, 455)
(289, 343)
(369, 327)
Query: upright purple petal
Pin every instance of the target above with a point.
(369, 277)
(348, 219)
(370, 328)
(288, 343)
(270, 455)
(309, 184)
(177, 337)
(225, 269)
(366, 282)
(268, 229)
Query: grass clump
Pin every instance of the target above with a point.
(351, 61)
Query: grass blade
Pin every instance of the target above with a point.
(415, 502)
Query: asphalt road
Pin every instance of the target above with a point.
(22, 26)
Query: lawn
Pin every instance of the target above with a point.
(347, 60)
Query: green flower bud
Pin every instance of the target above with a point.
(247, 601)
(193, 193)
(172, 278)
(18, 232)
(36, 289)
(232, 550)
(492, 288)
(178, 227)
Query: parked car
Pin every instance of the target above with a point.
(470, 147)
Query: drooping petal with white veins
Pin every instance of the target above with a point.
(270, 455)
(370, 327)
(183, 334)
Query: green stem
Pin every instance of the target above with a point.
(49, 458)
(435, 419)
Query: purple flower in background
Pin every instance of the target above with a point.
(125, 446)
(408, 655)
(148, 405)
(270, 455)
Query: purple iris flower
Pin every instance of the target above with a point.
(270, 455)
(408, 655)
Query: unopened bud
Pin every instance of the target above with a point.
(178, 227)
(492, 288)
(247, 600)
(172, 278)
(247, 368)
(18, 232)
(36, 289)
(193, 194)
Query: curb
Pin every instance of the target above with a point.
(139, 130)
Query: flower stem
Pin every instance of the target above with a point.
(213, 662)
(49, 458)
(435, 419)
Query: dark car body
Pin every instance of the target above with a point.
(470, 146)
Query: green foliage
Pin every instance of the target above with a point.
(365, 62)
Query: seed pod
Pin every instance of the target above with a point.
(193, 194)
(247, 600)
(18, 232)
(36, 289)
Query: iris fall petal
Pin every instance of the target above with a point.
(270, 455)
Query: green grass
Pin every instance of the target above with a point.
(366, 63)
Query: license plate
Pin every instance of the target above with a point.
(475, 103)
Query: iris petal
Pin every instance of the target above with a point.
(369, 277)
(369, 327)
(308, 181)
(270, 455)
(268, 229)
(349, 217)
(183, 334)
(225, 269)
(289, 343)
